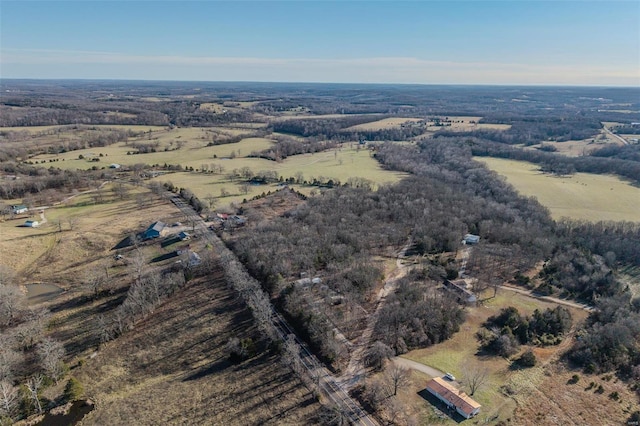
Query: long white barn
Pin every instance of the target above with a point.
(453, 397)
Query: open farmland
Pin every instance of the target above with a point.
(580, 196)
(48, 254)
(193, 153)
(578, 148)
(462, 124)
(386, 123)
(173, 368)
(337, 165)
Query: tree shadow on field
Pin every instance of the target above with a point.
(441, 406)
(169, 241)
(115, 298)
(215, 367)
(163, 257)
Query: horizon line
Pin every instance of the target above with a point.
(319, 83)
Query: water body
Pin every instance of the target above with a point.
(78, 410)
(39, 293)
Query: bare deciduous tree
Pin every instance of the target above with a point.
(474, 376)
(334, 416)
(34, 384)
(103, 329)
(375, 393)
(137, 264)
(120, 190)
(376, 355)
(9, 361)
(94, 281)
(57, 222)
(50, 353)
(8, 399)
(396, 376)
(211, 200)
(73, 221)
(292, 355)
(12, 301)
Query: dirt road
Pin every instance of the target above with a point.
(414, 365)
(613, 135)
(356, 370)
(551, 299)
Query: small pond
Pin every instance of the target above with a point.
(77, 411)
(38, 293)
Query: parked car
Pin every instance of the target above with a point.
(450, 376)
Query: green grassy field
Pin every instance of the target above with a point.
(194, 153)
(581, 196)
(340, 165)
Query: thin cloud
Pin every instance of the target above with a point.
(365, 70)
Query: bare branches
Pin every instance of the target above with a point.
(376, 355)
(8, 399)
(50, 353)
(11, 303)
(34, 384)
(397, 376)
(474, 376)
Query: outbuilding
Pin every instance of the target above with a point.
(471, 239)
(32, 224)
(154, 230)
(19, 209)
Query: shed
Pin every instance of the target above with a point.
(453, 397)
(471, 239)
(32, 224)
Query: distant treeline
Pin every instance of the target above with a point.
(337, 129)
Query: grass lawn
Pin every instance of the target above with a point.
(582, 196)
(456, 353)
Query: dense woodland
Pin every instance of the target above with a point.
(338, 234)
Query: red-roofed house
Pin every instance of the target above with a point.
(453, 397)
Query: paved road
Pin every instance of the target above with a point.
(318, 373)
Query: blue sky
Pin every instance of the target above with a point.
(453, 42)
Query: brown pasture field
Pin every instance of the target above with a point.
(48, 255)
(464, 124)
(386, 123)
(172, 367)
(578, 148)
